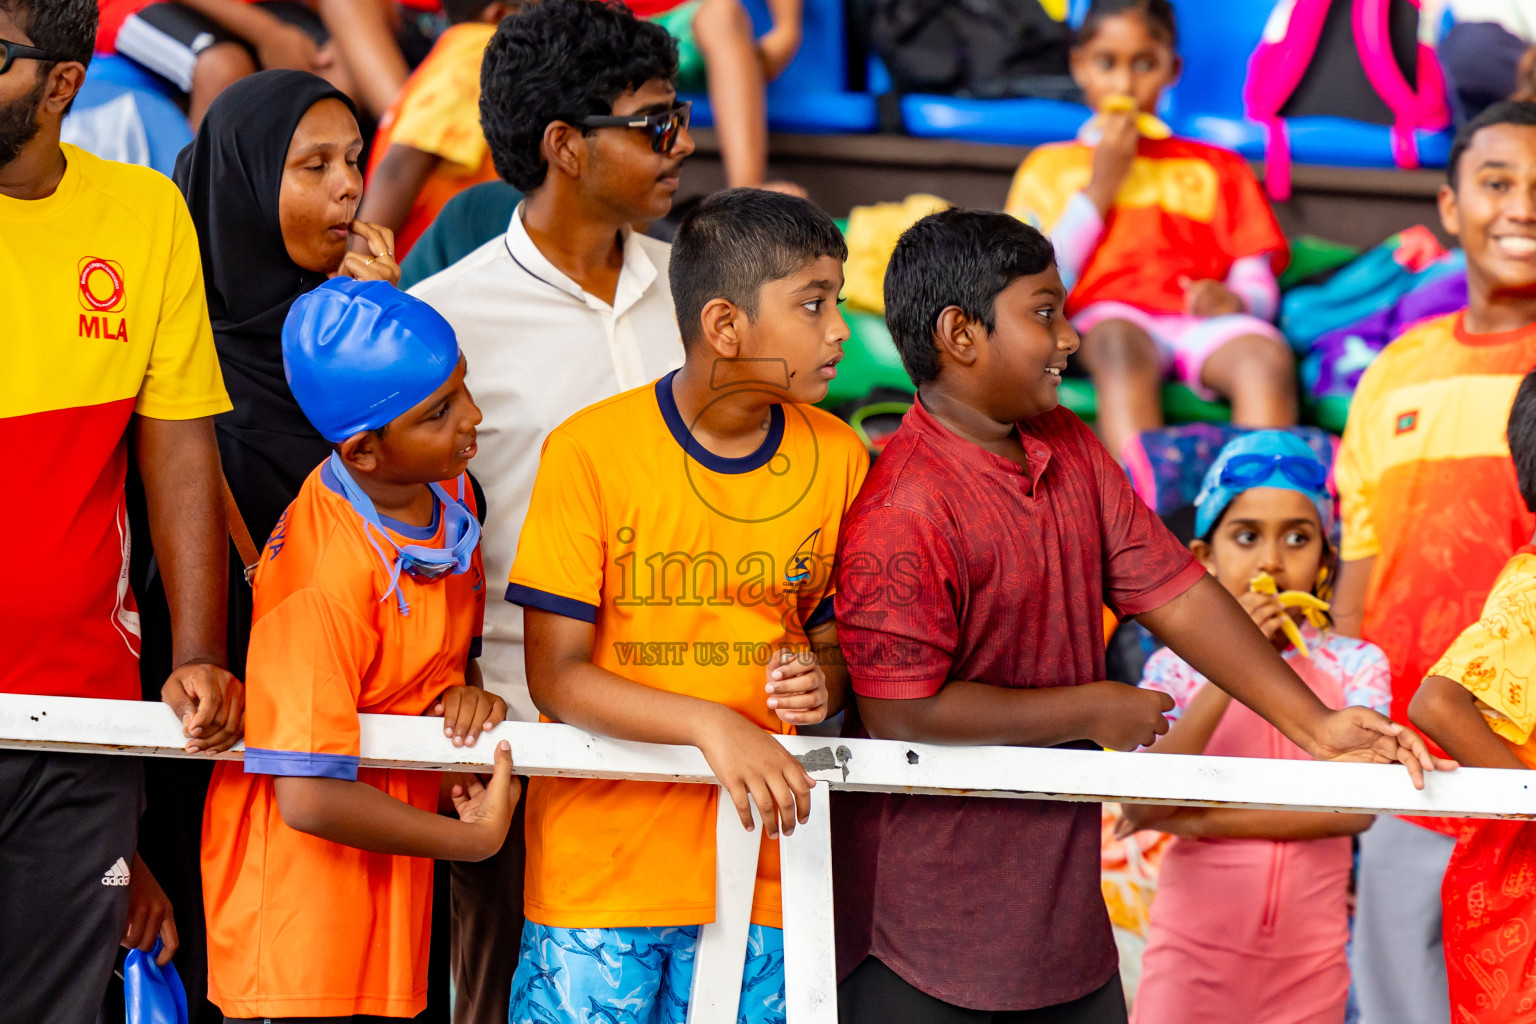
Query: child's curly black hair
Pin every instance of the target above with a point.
(562, 60)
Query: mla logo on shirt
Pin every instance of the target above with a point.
(1407, 422)
(103, 290)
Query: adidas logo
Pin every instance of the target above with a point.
(117, 874)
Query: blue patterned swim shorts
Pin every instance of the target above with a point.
(633, 976)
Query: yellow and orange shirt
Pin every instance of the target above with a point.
(1186, 210)
(299, 926)
(693, 569)
(438, 112)
(1428, 490)
(1495, 657)
(105, 317)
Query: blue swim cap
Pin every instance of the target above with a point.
(359, 353)
(1264, 458)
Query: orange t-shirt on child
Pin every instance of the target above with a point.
(438, 112)
(300, 926)
(1186, 211)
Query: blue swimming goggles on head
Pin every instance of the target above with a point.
(1253, 470)
(1263, 458)
(461, 535)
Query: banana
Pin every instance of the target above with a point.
(1148, 125)
(1313, 607)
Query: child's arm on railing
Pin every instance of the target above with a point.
(1208, 628)
(1109, 714)
(568, 687)
(356, 814)
(1243, 823)
(1449, 715)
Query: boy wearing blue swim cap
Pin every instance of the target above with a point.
(369, 597)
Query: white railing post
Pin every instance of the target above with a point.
(721, 952)
(810, 952)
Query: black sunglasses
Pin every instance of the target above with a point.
(9, 51)
(664, 127)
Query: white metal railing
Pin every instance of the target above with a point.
(150, 729)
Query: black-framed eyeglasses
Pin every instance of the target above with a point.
(9, 51)
(664, 127)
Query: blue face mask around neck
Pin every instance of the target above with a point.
(461, 535)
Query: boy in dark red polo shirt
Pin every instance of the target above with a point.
(973, 569)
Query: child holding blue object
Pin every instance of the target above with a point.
(369, 598)
(1250, 921)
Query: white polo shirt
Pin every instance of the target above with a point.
(539, 349)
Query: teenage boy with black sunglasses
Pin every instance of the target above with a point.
(568, 307)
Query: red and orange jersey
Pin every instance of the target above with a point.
(1428, 489)
(105, 317)
(693, 568)
(300, 926)
(1185, 211)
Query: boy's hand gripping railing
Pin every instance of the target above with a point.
(148, 729)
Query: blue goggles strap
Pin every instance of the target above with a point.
(461, 535)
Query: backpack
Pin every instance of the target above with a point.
(982, 48)
(1373, 281)
(1356, 59)
(1340, 356)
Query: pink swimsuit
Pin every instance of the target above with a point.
(1252, 931)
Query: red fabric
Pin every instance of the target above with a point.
(956, 564)
(76, 611)
(113, 14)
(651, 8)
(1148, 248)
(1489, 896)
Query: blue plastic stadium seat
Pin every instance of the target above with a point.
(1327, 141)
(811, 96)
(1019, 122)
(126, 99)
(109, 67)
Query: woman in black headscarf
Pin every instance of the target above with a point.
(273, 183)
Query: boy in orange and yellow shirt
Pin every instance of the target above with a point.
(317, 873)
(679, 544)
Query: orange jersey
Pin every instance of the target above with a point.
(693, 568)
(299, 926)
(1185, 210)
(438, 112)
(105, 318)
(1428, 490)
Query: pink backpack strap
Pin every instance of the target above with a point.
(1411, 109)
(1275, 69)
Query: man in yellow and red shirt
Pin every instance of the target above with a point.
(1432, 512)
(106, 334)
